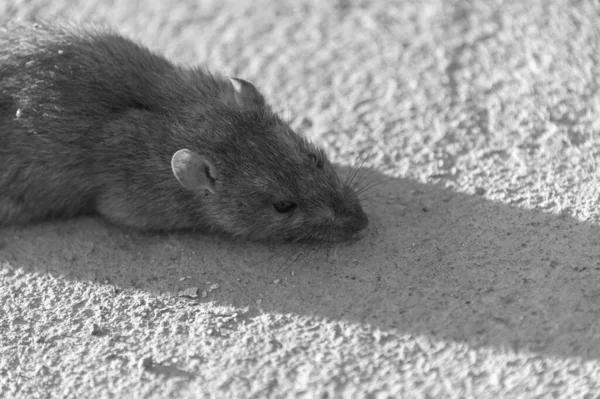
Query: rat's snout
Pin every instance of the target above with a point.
(352, 220)
(359, 221)
(349, 212)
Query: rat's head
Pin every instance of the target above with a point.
(263, 181)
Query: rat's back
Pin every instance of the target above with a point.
(59, 85)
(87, 71)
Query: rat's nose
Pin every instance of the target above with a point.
(354, 221)
(351, 218)
(359, 221)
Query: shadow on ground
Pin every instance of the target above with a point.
(434, 262)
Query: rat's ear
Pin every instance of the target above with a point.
(193, 171)
(246, 93)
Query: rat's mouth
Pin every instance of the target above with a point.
(332, 233)
(350, 237)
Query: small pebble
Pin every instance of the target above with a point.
(96, 330)
(213, 287)
(190, 292)
(293, 273)
(19, 113)
(204, 294)
(259, 301)
(60, 52)
(276, 281)
(146, 363)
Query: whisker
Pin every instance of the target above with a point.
(312, 247)
(306, 251)
(277, 253)
(292, 258)
(364, 177)
(310, 250)
(293, 253)
(355, 168)
(330, 244)
(324, 239)
(368, 152)
(327, 240)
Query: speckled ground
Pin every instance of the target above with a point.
(480, 272)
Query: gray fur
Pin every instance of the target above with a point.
(90, 122)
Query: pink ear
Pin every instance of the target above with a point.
(245, 93)
(194, 172)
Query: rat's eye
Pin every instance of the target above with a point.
(284, 206)
(313, 158)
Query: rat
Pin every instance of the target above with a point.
(93, 122)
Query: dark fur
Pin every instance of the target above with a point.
(89, 121)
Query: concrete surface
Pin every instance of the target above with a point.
(480, 273)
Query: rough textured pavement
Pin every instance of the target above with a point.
(480, 272)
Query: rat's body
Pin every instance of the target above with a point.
(90, 121)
